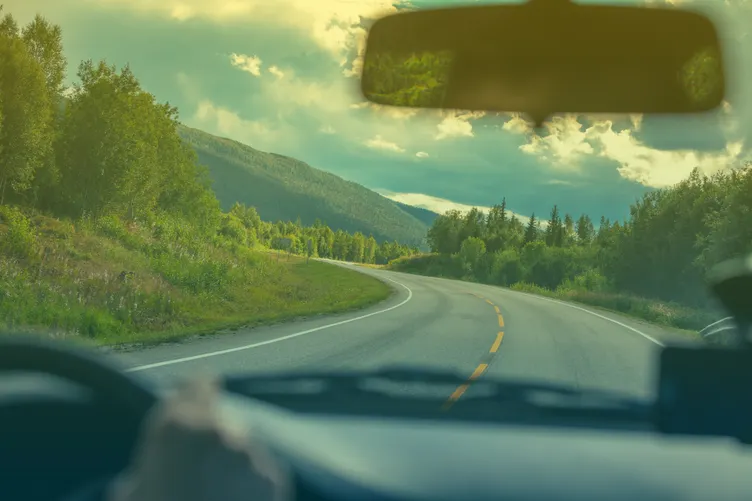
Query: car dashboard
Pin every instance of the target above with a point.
(63, 447)
(343, 458)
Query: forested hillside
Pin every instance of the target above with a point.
(424, 215)
(652, 264)
(110, 230)
(283, 188)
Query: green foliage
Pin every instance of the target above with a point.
(25, 117)
(282, 188)
(115, 232)
(471, 252)
(407, 79)
(110, 280)
(18, 239)
(653, 264)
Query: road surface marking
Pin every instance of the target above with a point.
(455, 396)
(497, 343)
(481, 367)
(275, 340)
(478, 372)
(636, 331)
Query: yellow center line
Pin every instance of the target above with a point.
(497, 343)
(459, 391)
(478, 372)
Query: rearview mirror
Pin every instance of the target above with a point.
(546, 57)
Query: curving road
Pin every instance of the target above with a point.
(479, 330)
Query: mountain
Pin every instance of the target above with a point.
(426, 216)
(283, 188)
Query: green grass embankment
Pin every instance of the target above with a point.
(108, 282)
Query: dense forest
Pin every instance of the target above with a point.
(110, 228)
(657, 259)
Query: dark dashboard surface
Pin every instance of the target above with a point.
(360, 458)
(61, 439)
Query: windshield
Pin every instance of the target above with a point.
(199, 187)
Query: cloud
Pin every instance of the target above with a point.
(422, 154)
(387, 111)
(564, 145)
(379, 143)
(517, 124)
(251, 64)
(224, 122)
(276, 72)
(327, 129)
(333, 25)
(394, 112)
(567, 143)
(659, 168)
(436, 204)
(457, 124)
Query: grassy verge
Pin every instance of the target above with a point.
(374, 266)
(108, 283)
(678, 318)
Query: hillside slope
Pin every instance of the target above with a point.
(283, 188)
(425, 216)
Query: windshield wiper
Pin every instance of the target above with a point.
(407, 391)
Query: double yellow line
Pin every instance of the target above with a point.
(478, 372)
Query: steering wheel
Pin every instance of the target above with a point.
(112, 391)
(106, 382)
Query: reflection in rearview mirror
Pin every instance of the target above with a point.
(546, 57)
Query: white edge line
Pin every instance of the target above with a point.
(719, 329)
(646, 336)
(275, 340)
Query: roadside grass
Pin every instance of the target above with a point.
(106, 282)
(374, 266)
(677, 318)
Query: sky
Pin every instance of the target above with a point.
(282, 76)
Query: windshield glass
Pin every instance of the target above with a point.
(199, 187)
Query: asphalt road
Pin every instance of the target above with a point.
(478, 330)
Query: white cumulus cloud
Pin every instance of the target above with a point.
(437, 204)
(276, 72)
(379, 143)
(456, 124)
(251, 64)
